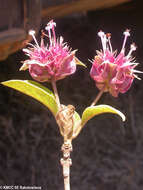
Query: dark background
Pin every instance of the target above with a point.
(108, 154)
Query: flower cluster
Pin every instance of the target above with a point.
(50, 62)
(54, 61)
(114, 74)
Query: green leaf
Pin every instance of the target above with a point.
(77, 125)
(92, 111)
(78, 62)
(35, 90)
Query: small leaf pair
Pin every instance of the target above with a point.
(47, 98)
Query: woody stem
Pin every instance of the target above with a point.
(56, 93)
(66, 163)
(98, 96)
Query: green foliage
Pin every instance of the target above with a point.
(92, 111)
(89, 113)
(35, 90)
(77, 125)
(46, 97)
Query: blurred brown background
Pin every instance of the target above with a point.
(108, 154)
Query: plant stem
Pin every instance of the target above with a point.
(66, 163)
(56, 93)
(98, 96)
(66, 148)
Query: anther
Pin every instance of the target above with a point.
(108, 35)
(101, 33)
(32, 32)
(50, 25)
(132, 48)
(127, 32)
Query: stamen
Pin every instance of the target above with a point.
(61, 40)
(103, 40)
(50, 26)
(54, 35)
(31, 45)
(126, 33)
(109, 41)
(49, 32)
(101, 33)
(32, 33)
(132, 48)
(42, 38)
(26, 50)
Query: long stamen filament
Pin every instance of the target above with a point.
(32, 33)
(50, 26)
(109, 41)
(126, 33)
(110, 45)
(54, 35)
(50, 37)
(103, 40)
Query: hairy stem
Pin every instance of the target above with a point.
(98, 96)
(56, 93)
(66, 163)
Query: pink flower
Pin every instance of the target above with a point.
(113, 74)
(53, 61)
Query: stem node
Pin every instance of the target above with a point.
(66, 162)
